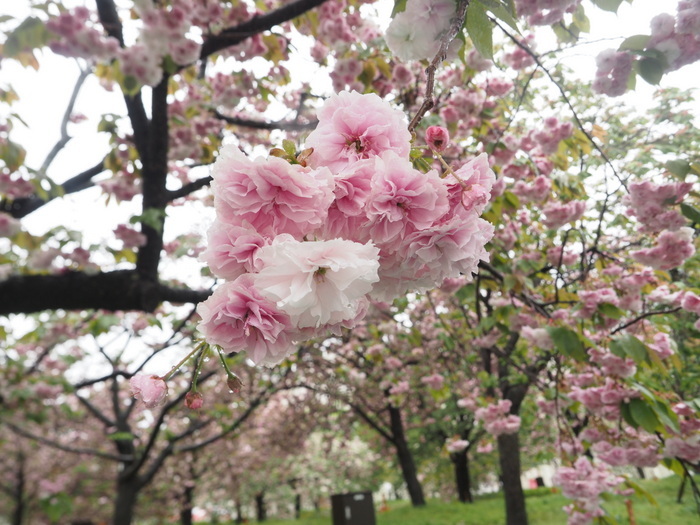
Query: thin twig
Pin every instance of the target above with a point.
(579, 124)
(455, 25)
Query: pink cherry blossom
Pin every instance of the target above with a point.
(231, 250)
(319, 282)
(352, 127)
(558, 214)
(237, 317)
(152, 390)
(457, 445)
(403, 199)
(270, 195)
(671, 250)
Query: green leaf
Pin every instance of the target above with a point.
(500, 11)
(289, 147)
(651, 69)
(627, 415)
(643, 415)
(567, 342)
(480, 29)
(608, 5)
(610, 310)
(634, 43)
(629, 345)
(680, 168)
(29, 35)
(690, 212)
(399, 6)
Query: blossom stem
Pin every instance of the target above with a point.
(183, 361)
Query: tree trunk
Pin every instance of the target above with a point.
(297, 506)
(239, 512)
(124, 506)
(509, 459)
(460, 460)
(186, 509)
(403, 453)
(20, 503)
(260, 510)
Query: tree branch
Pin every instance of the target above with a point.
(235, 35)
(288, 125)
(19, 208)
(118, 290)
(65, 448)
(64, 123)
(456, 23)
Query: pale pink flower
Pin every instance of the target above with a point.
(130, 236)
(474, 183)
(671, 250)
(319, 282)
(9, 226)
(434, 381)
(558, 214)
(538, 337)
(403, 199)
(457, 445)
(352, 127)
(237, 317)
(231, 250)
(402, 387)
(152, 390)
(270, 195)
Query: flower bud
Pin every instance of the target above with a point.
(234, 383)
(437, 138)
(194, 400)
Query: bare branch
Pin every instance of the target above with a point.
(284, 125)
(19, 208)
(258, 24)
(63, 140)
(455, 25)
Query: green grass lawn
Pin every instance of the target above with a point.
(543, 506)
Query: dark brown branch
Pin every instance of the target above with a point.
(153, 176)
(109, 18)
(258, 24)
(188, 189)
(118, 290)
(19, 208)
(644, 316)
(290, 125)
(63, 140)
(60, 446)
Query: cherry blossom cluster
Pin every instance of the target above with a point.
(584, 483)
(650, 204)
(671, 250)
(79, 37)
(614, 69)
(163, 34)
(414, 34)
(497, 418)
(305, 246)
(678, 39)
(545, 12)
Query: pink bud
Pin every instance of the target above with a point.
(437, 138)
(234, 383)
(194, 400)
(152, 390)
